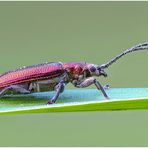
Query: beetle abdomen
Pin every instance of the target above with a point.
(31, 73)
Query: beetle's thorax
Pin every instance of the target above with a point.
(76, 70)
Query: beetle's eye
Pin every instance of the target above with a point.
(99, 69)
(92, 69)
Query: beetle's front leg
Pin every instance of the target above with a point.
(59, 89)
(89, 81)
(99, 86)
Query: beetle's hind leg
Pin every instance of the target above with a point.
(59, 88)
(16, 88)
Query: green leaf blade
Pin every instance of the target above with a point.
(77, 100)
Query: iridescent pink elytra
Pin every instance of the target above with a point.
(31, 73)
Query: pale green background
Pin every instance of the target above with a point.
(36, 32)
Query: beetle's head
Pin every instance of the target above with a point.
(96, 70)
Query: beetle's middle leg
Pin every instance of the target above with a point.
(17, 88)
(89, 81)
(59, 88)
(34, 87)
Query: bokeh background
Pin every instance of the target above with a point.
(95, 32)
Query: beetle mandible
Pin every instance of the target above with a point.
(56, 75)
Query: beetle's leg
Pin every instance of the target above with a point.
(59, 89)
(37, 87)
(107, 86)
(17, 88)
(99, 86)
(89, 81)
(34, 87)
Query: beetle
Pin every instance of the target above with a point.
(56, 75)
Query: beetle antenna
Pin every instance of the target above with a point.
(143, 46)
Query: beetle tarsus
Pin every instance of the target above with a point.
(99, 86)
(106, 87)
(50, 102)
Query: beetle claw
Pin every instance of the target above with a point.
(50, 102)
(107, 86)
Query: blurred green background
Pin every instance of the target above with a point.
(36, 32)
